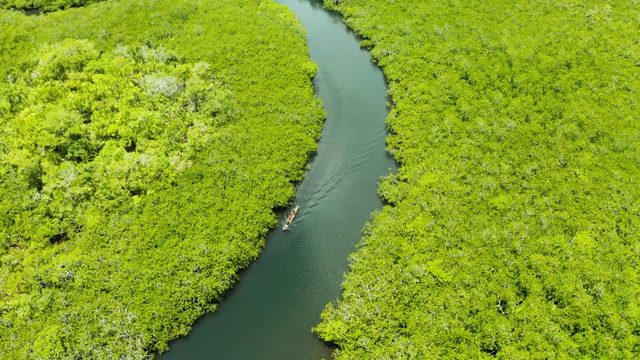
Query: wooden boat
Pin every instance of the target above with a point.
(290, 218)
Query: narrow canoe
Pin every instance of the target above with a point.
(290, 218)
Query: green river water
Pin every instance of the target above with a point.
(270, 311)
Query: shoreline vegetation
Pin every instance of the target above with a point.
(37, 7)
(143, 147)
(513, 229)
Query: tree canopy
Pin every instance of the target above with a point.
(513, 226)
(44, 5)
(141, 152)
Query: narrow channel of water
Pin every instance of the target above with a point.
(271, 310)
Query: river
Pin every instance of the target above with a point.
(270, 311)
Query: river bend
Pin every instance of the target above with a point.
(270, 311)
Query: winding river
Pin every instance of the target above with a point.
(278, 299)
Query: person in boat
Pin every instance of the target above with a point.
(292, 215)
(290, 218)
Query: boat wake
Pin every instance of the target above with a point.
(347, 165)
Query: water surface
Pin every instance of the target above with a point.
(278, 299)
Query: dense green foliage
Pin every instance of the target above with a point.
(85, 131)
(44, 5)
(142, 151)
(514, 226)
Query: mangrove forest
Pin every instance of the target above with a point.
(513, 225)
(141, 157)
(146, 147)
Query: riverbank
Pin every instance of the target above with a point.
(270, 312)
(514, 225)
(142, 159)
